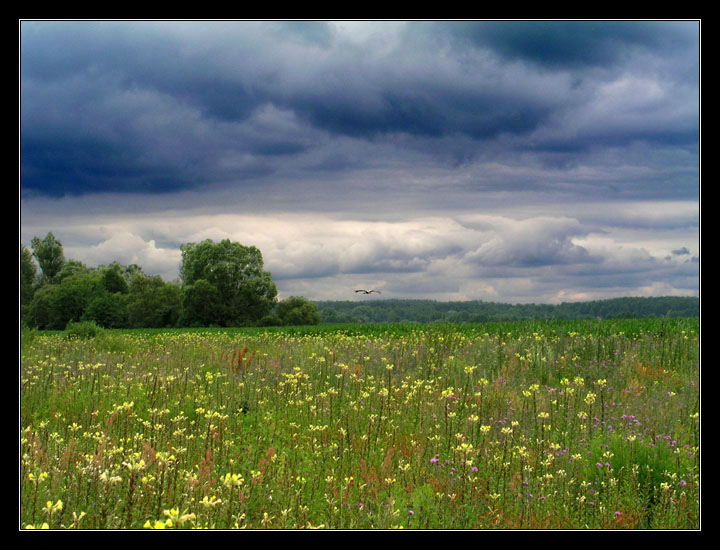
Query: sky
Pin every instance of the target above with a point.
(516, 161)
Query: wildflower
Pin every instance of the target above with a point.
(232, 480)
(211, 501)
(39, 478)
(50, 507)
(158, 524)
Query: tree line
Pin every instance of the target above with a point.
(429, 311)
(221, 284)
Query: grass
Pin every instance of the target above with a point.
(526, 425)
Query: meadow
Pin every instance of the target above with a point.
(523, 425)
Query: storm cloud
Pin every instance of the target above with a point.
(507, 160)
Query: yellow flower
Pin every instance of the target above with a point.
(158, 524)
(51, 508)
(212, 501)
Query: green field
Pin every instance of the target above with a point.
(522, 425)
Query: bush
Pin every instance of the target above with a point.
(107, 310)
(297, 310)
(82, 329)
(270, 320)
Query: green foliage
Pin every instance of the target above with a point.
(107, 310)
(270, 320)
(297, 310)
(49, 254)
(200, 304)
(54, 305)
(70, 268)
(113, 281)
(28, 274)
(429, 311)
(152, 302)
(237, 289)
(82, 329)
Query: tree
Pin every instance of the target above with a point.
(113, 281)
(28, 274)
(49, 255)
(239, 291)
(55, 305)
(152, 303)
(108, 310)
(297, 310)
(200, 305)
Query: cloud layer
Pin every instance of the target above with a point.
(505, 160)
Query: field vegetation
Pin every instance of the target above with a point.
(518, 425)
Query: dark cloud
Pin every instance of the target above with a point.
(576, 108)
(572, 44)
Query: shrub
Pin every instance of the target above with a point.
(82, 329)
(297, 310)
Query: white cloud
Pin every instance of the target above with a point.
(129, 248)
(548, 258)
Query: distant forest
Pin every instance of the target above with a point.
(429, 311)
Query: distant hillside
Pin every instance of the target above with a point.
(429, 311)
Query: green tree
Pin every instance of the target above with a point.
(244, 293)
(200, 305)
(113, 281)
(49, 255)
(297, 310)
(71, 267)
(152, 303)
(55, 305)
(107, 309)
(28, 274)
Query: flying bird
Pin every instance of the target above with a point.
(368, 291)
